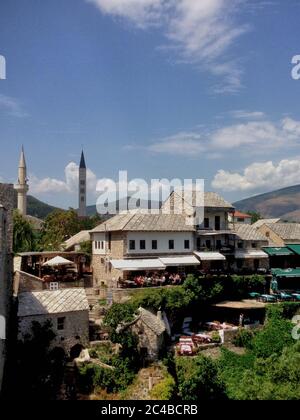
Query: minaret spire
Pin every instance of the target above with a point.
(22, 186)
(82, 187)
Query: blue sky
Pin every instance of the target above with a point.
(161, 88)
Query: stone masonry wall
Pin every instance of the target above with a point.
(6, 264)
(76, 329)
(102, 270)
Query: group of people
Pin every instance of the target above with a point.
(156, 279)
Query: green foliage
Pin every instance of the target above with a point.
(60, 225)
(38, 370)
(244, 338)
(198, 379)
(255, 216)
(23, 235)
(216, 337)
(164, 390)
(276, 335)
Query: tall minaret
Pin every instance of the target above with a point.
(22, 187)
(82, 187)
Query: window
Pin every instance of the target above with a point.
(239, 264)
(132, 244)
(206, 223)
(219, 244)
(102, 244)
(82, 182)
(187, 244)
(82, 199)
(267, 234)
(240, 220)
(217, 222)
(53, 286)
(171, 244)
(109, 241)
(208, 243)
(198, 244)
(82, 190)
(254, 245)
(61, 323)
(240, 245)
(142, 244)
(154, 244)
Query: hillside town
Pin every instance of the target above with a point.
(135, 287)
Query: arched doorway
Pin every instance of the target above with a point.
(75, 351)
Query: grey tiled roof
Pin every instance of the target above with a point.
(77, 239)
(211, 199)
(51, 302)
(287, 231)
(146, 222)
(152, 321)
(261, 222)
(248, 233)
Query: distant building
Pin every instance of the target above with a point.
(281, 234)
(239, 217)
(249, 255)
(6, 267)
(74, 243)
(68, 312)
(82, 187)
(22, 186)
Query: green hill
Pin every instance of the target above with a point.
(283, 203)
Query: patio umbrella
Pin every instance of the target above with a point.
(58, 261)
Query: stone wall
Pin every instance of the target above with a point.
(147, 340)
(271, 236)
(102, 270)
(6, 261)
(76, 329)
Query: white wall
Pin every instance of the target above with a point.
(211, 217)
(162, 242)
(99, 244)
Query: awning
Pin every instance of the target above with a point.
(180, 261)
(250, 254)
(295, 248)
(56, 261)
(210, 256)
(280, 251)
(138, 264)
(289, 272)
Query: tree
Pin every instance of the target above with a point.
(198, 379)
(58, 227)
(255, 216)
(23, 234)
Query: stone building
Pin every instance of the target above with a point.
(6, 267)
(68, 312)
(280, 234)
(248, 244)
(132, 242)
(151, 331)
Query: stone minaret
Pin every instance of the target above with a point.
(82, 187)
(22, 186)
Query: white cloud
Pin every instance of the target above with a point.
(247, 115)
(184, 144)
(252, 137)
(11, 106)
(200, 31)
(259, 176)
(56, 186)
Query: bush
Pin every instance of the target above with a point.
(198, 379)
(244, 338)
(165, 390)
(216, 337)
